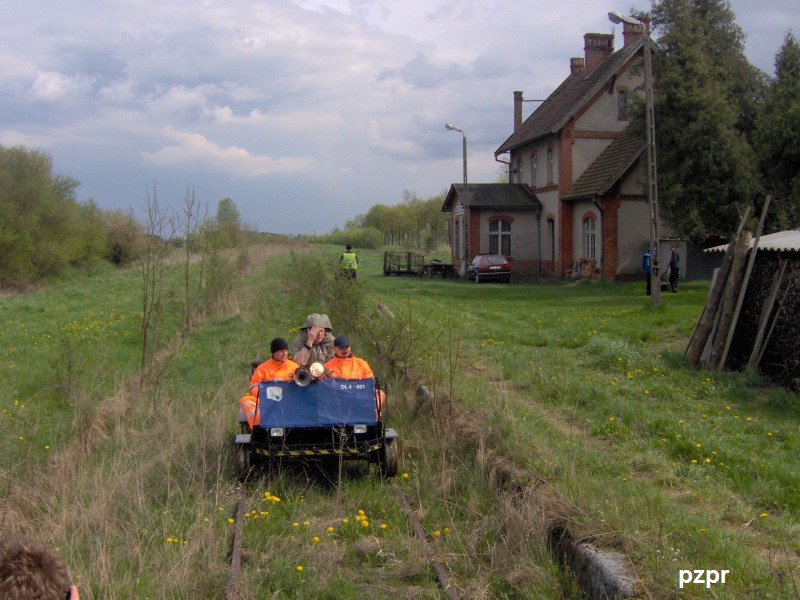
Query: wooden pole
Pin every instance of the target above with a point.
(743, 291)
(729, 299)
(709, 314)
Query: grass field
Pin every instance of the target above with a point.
(552, 402)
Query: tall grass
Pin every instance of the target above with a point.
(546, 403)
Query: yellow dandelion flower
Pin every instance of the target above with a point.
(694, 461)
(329, 530)
(769, 434)
(205, 520)
(708, 460)
(169, 540)
(405, 475)
(306, 523)
(702, 530)
(299, 568)
(365, 523)
(698, 445)
(48, 447)
(345, 520)
(315, 538)
(230, 520)
(384, 525)
(361, 512)
(763, 515)
(220, 509)
(295, 524)
(437, 533)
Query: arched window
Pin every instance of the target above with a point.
(589, 238)
(500, 237)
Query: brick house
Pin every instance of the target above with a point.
(586, 164)
(585, 167)
(489, 219)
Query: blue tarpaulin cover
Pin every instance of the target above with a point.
(322, 403)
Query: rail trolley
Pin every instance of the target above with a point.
(312, 418)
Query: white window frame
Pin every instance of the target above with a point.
(590, 238)
(500, 237)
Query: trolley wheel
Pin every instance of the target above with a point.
(244, 461)
(388, 458)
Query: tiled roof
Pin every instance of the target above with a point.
(511, 196)
(782, 241)
(573, 93)
(607, 168)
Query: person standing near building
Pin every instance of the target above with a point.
(348, 263)
(674, 262)
(646, 268)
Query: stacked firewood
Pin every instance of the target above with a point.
(749, 319)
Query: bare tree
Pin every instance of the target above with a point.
(160, 227)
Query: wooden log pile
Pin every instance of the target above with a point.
(750, 316)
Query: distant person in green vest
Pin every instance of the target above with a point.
(348, 263)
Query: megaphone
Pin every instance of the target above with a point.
(302, 377)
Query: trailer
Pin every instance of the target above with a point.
(402, 263)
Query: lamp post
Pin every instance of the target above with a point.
(465, 252)
(652, 175)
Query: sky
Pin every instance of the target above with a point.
(304, 112)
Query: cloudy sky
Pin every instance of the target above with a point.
(304, 112)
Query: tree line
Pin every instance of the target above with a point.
(414, 222)
(44, 229)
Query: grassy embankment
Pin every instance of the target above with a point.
(551, 402)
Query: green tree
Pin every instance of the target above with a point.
(40, 220)
(778, 137)
(707, 94)
(229, 220)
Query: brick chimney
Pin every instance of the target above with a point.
(597, 48)
(632, 32)
(576, 65)
(517, 110)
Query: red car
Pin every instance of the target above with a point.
(489, 267)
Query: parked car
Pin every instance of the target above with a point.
(489, 267)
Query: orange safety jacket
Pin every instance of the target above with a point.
(270, 370)
(351, 367)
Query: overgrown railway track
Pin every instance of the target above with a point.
(233, 590)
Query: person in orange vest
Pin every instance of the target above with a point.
(344, 363)
(278, 367)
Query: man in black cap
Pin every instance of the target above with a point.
(278, 367)
(344, 364)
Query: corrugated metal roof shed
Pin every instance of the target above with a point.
(782, 241)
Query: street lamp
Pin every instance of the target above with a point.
(652, 174)
(465, 253)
